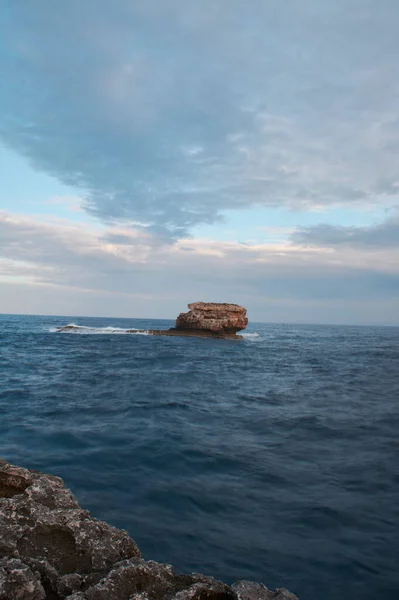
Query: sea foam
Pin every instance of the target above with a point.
(108, 330)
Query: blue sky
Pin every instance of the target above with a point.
(234, 151)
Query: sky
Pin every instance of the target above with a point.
(155, 154)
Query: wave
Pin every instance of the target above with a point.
(249, 335)
(109, 330)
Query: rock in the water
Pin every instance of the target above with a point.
(51, 549)
(212, 316)
(204, 319)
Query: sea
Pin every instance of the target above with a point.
(274, 458)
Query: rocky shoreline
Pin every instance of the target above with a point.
(203, 319)
(168, 332)
(52, 549)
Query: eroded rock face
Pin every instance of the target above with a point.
(19, 582)
(212, 316)
(51, 549)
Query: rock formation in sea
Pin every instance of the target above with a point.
(204, 319)
(214, 317)
(52, 549)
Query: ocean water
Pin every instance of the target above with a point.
(275, 458)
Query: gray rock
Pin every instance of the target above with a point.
(41, 519)
(19, 582)
(51, 549)
(249, 590)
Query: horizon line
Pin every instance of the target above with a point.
(305, 323)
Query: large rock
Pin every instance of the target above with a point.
(204, 319)
(214, 317)
(51, 549)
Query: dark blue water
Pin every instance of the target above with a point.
(275, 458)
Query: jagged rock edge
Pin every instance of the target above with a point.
(52, 549)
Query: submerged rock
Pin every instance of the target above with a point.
(51, 549)
(214, 317)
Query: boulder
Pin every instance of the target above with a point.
(214, 317)
(52, 549)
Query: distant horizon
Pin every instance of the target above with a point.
(251, 322)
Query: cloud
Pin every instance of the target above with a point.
(170, 113)
(117, 263)
(382, 235)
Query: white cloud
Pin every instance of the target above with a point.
(121, 262)
(169, 114)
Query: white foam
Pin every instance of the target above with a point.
(109, 330)
(250, 335)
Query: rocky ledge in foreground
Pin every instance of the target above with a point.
(51, 549)
(204, 319)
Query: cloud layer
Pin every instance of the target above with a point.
(165, 114)
(381, 235)
(124, 262)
